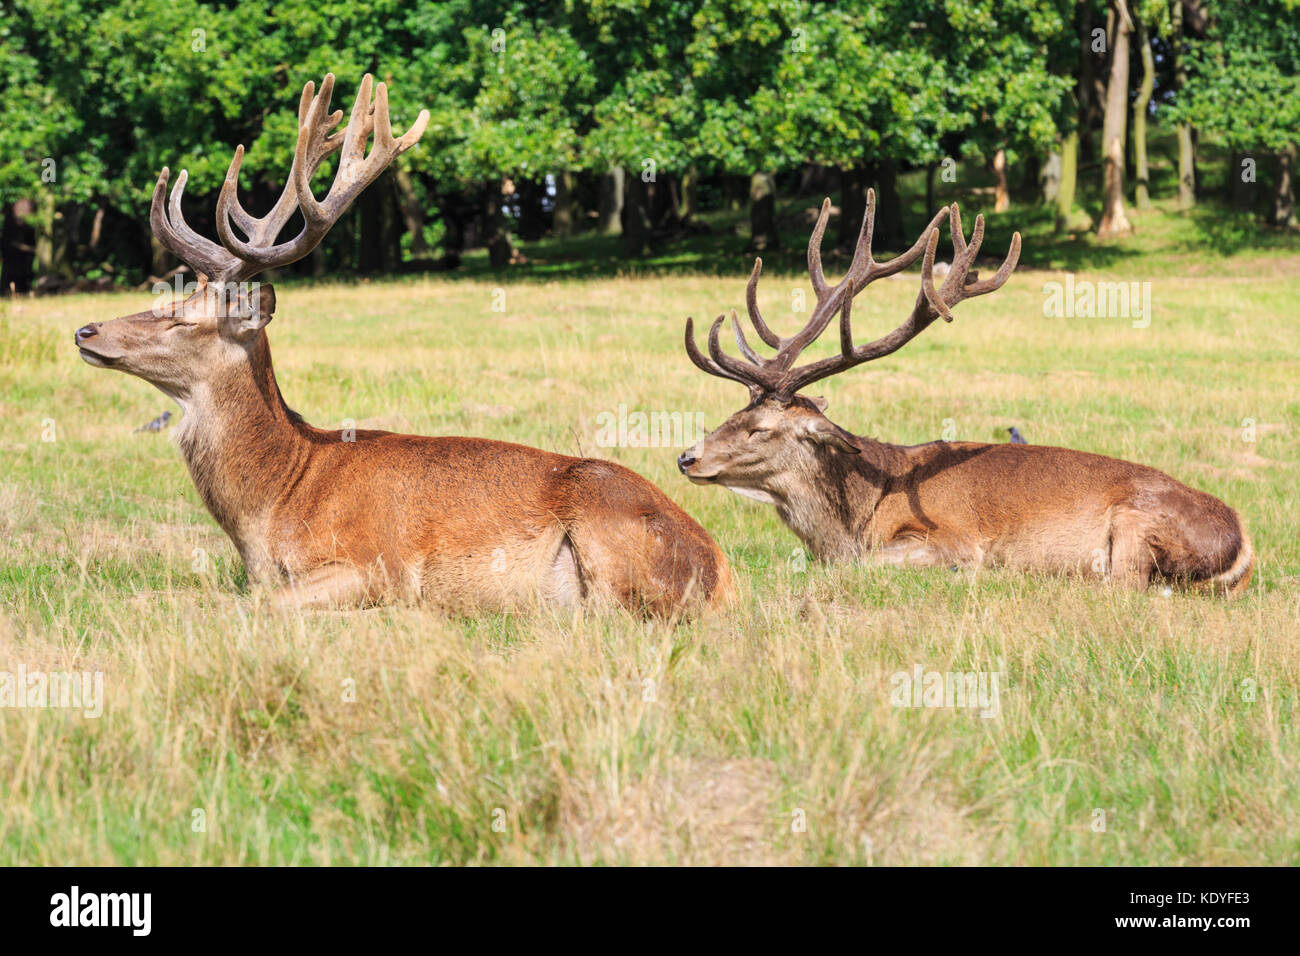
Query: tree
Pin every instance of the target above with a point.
(1114, 222)
(1186, 142)
(846, 95)
(1142, 191)
(1242, 86)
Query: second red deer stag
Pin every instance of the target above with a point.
(849, 497)
(339, 519)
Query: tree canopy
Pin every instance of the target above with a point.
(100, 94)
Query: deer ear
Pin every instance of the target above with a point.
(820, 402)
(822, 431)
(255, 310)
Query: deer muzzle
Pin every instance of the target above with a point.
(87, 334)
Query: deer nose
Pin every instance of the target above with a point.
(685, 460)
(86, 332)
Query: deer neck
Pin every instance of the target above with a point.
(831, 502)
(243, 447)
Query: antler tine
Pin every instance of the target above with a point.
(930, 305)
(263, 232)
(721, 358)
(861, 264)
(775, 376)
(995, 281)
(828, 297)
(961, 262)
(361, 123)
(751, 305)
(846, 328)
(743, 344)
(955, 230)
(383, 126)
(235, 258)
(315, 144)
(934, 298)
(882, 270)
(863, 271)
(202, 254)
(820, 288)
(705, 364)
(357, 171)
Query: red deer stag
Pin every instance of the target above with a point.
(942, 503)
(461, 522)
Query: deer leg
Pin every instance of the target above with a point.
(1131, 560)
(330, 586)
(910, 553)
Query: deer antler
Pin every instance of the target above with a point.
(236, 259)
(776, 376)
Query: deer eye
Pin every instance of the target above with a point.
(759, 432)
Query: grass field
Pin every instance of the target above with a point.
(1131, 728)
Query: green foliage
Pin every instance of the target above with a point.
(100, 94)
(1242, 79)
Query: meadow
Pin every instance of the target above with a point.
(1130, 728)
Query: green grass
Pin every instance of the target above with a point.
(597, 737)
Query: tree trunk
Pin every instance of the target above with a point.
(762, 213)
(390, 225)
(1186, 148)
(636, 217)
(47, 245)
(96, 230)
(17, 248)
(1186, 168)
(1284, 192)
(369, 249)
(609, 220)
(1069, 180)
(453, 230)
(1049, 178)
(816, 180)
(929, 189)
(501, 249)
(1086, 90)
(1114, 222)
(736, 189)
(663, 203)
(1239, 193)
(853, 203)
(1001, 198)
(412, 212)
(889, 206)
(1143, 194)
(564, 220)
(690, 197)
(532, 214)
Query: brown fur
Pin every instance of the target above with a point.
(1022, 506)
(462, 522)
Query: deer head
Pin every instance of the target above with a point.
(781, 439)
(181, 344)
